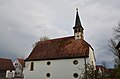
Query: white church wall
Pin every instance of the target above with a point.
(58, 69)
(92, 57)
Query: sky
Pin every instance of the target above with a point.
(23, 22)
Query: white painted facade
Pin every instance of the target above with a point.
(18, 69)
(78, 35)
(10, 74)
(92, 59)
(58, 69)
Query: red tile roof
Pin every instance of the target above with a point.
(60, 48)
(103, 69)
(6, 64)
(22, 62)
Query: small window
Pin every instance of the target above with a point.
(15, 73)
(48, 63)
(16, 63)
(75, 62)
(78, 29)
(75, 75)
(75, 30)
(92, 62)
(18, 73)
(77, 35)
(48, 74)
(32, 66)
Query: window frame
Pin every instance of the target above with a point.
(75, 75)
(75, 62)
(31, 66)
(48, 63)
(48, 75)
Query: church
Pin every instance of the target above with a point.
(60, 58)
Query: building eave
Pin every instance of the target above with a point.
(56, 58)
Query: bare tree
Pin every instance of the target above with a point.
(112, 43)
(104, 64)
(91, 73)
(117, 31)
(112, 47)
(44, 38)
(104, 69)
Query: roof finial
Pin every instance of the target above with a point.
(76, 9)
(77, 21)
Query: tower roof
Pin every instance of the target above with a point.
(77, 21)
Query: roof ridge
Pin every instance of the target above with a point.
(6, 58)
(57, 38)
(20, 58)
(64, 37)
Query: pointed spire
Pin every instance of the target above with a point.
(77, 21)
(78, 29)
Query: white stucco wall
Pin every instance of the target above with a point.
(92, 58)
(18, 68)
(58, 69)
(78, 35)
(10, 74)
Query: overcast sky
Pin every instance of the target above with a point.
(23, 22)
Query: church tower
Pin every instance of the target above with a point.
(78, 29)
